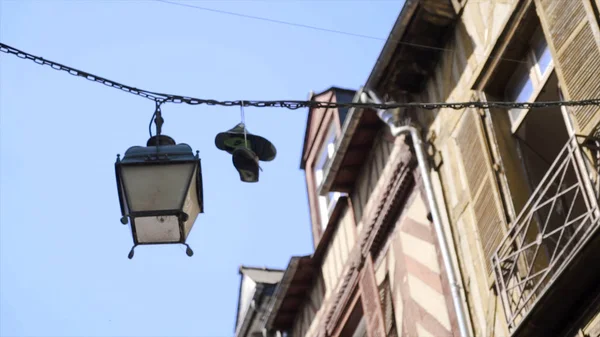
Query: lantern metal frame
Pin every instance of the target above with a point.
(159, 150)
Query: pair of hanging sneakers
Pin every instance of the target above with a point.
(246, 150)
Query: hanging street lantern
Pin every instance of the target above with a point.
(160, 191)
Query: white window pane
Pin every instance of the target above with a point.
(515, 114)
(361, 329)
(544, 60)
(318, 177)
(525, 90)
(331, 135)
(322, 159)
(333, 198)
(157, 229)
(542, 54)
(330, 150)
(191, 206)
(323, 206)
(152, 188)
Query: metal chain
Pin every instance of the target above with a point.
(75, 72)
(288, 104)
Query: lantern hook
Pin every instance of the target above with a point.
(131, 252)
(157, 119)
(188, 250)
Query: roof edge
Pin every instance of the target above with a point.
(282, 289)
(241, 273)
(250, 312)
(392, 41)
(258, 268)
(354, 115)
(311, 95)
(237, 312)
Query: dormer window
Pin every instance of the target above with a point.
(318, 153)
(326, 202)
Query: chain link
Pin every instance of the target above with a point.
(288, 104)
(75, 72)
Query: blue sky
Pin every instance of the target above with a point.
(63, 252)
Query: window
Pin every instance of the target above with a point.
(326, 202)
(325, 155)
(361, 329)
(530, 76)
(541, 179)
(387, 302)
(356, 325)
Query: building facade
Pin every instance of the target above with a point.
(517, 189)
(257, 286)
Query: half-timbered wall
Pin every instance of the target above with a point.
(346, 235)
(342, 242)
(308, 316)
(414, 294)
(370, 175)
(410, 269)
(339, 248)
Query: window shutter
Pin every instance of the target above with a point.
(385, 294)
(481, 182)
(370, 300)
(567, 25)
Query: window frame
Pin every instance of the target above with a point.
(327, 149)
(529, 71)
(325, 203)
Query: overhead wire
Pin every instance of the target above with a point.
(261, 18)
(322, 29)
(161, 98)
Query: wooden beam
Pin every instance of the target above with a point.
(352, 170)
(343, 188)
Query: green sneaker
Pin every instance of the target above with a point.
(232, 139)
(246, 163)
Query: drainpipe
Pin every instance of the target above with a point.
(391, 120)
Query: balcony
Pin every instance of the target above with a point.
(548, 260)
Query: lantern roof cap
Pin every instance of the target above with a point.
(139, 154)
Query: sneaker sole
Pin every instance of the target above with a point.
(264, 153)
(245, 175)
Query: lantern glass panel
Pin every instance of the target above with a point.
(156, 187)
(157, 229)
(191, 204)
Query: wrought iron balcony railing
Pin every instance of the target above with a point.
(560, 217)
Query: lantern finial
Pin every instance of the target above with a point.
(159, 140)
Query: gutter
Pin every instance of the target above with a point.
(389, 119)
